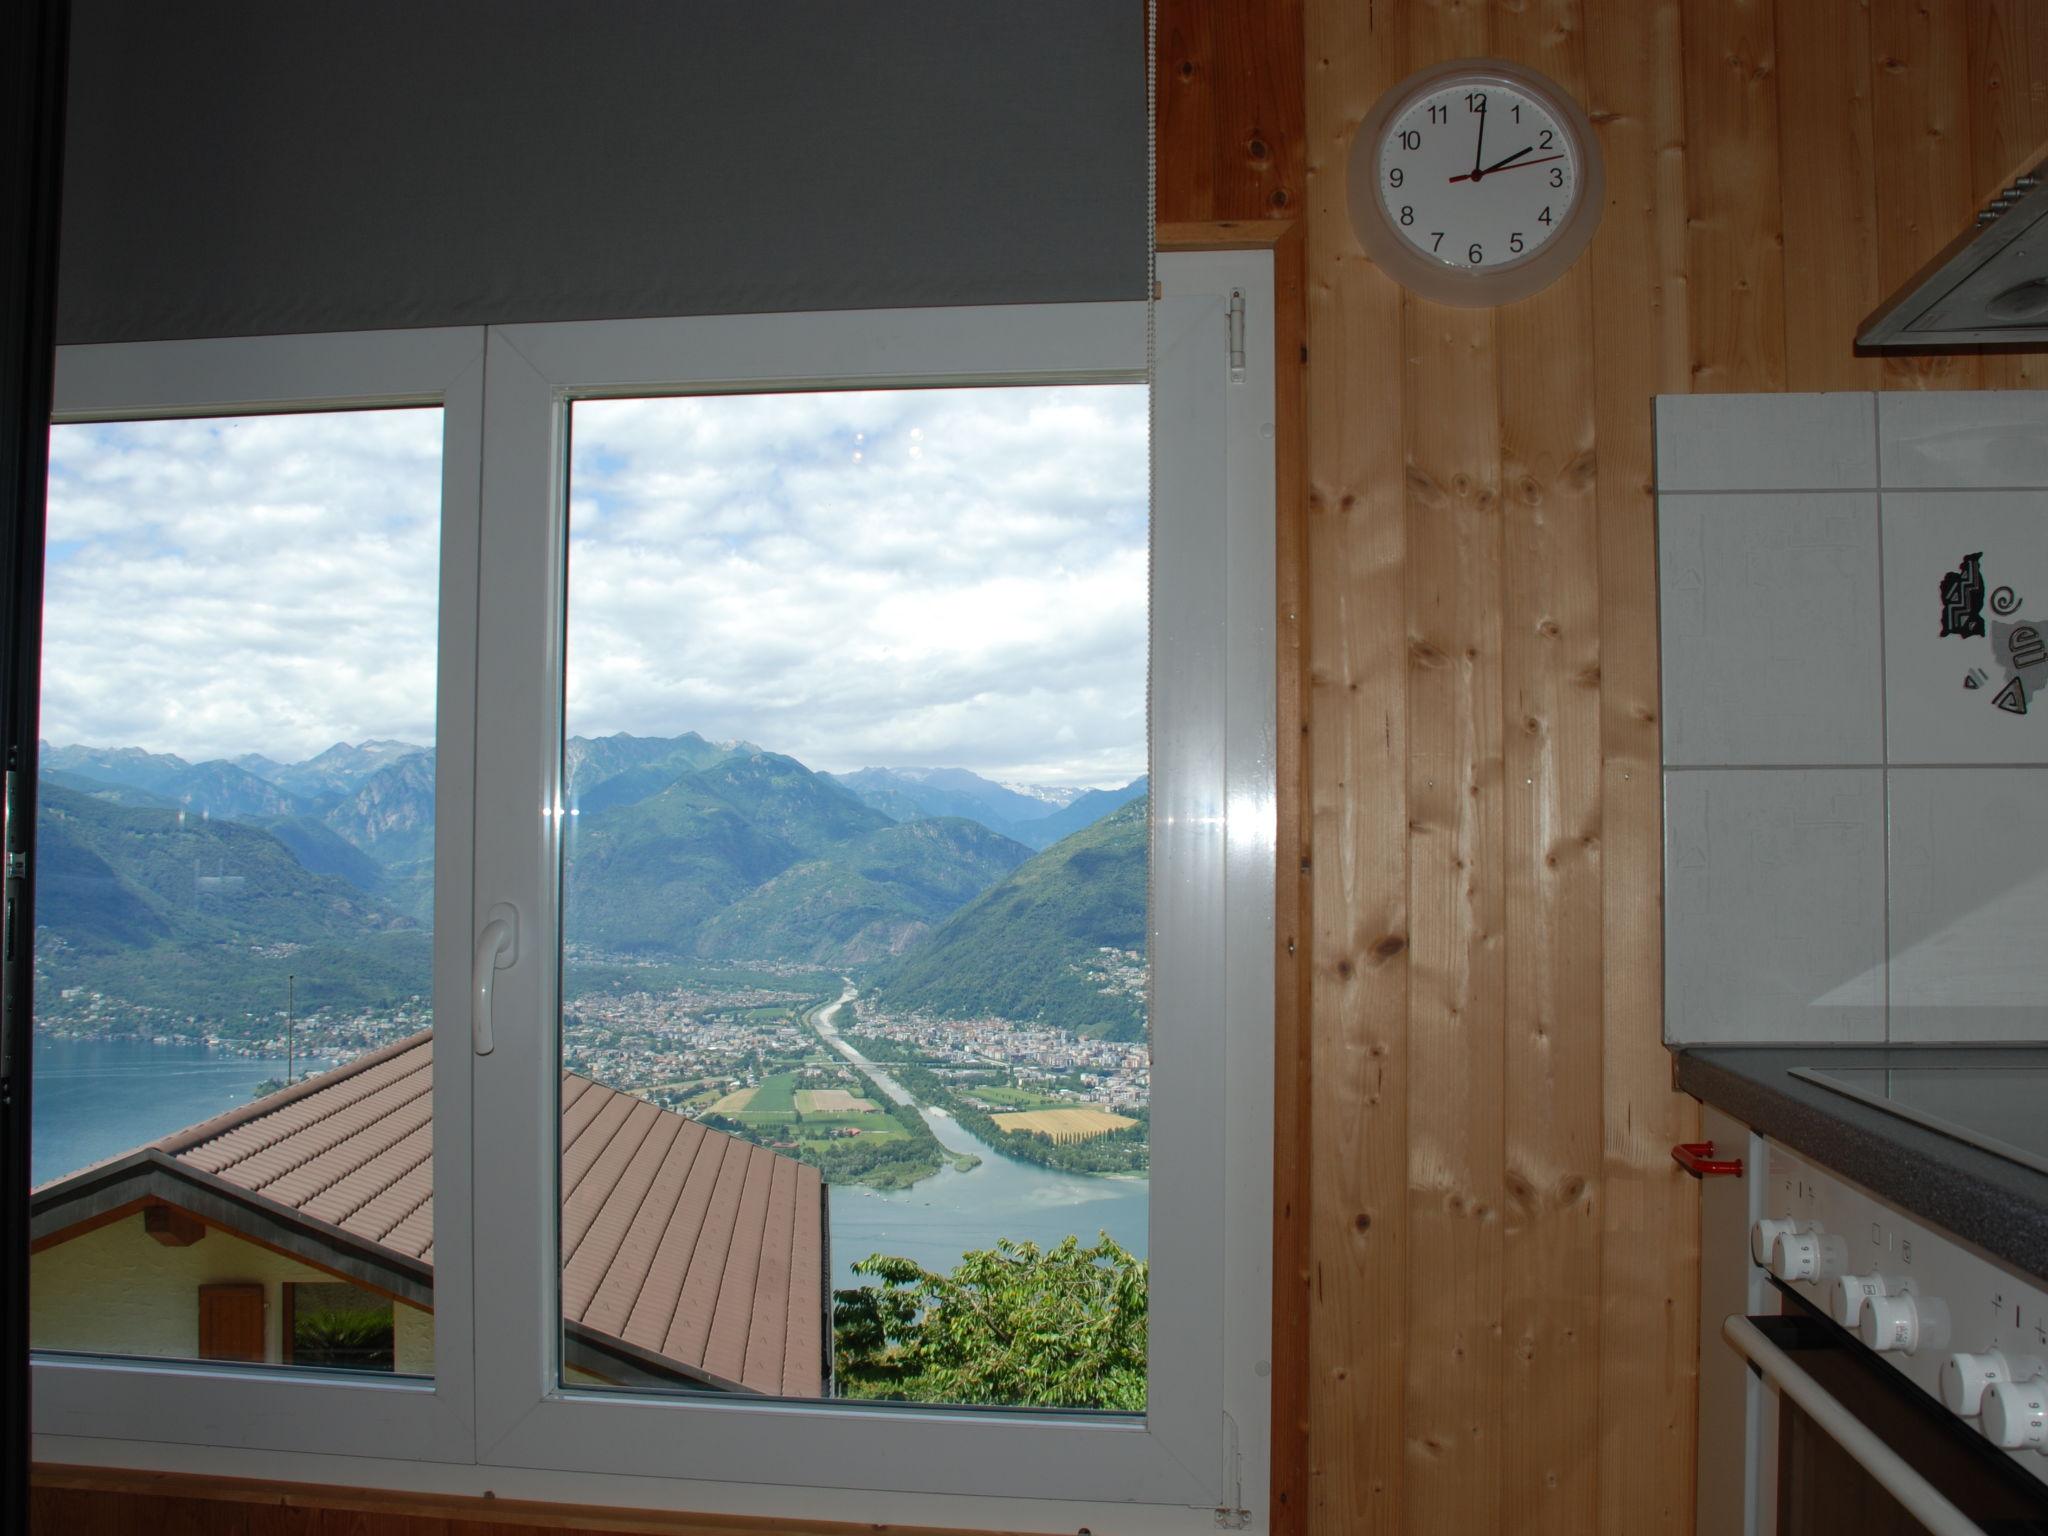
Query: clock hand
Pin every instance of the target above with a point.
(1511, 159)
(1520, 165)
(1478, 147)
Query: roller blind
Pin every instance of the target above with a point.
(243, 167)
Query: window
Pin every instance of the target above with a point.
(739, 585)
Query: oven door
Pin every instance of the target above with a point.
(1860, 1448)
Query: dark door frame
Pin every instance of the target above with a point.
(33, 46)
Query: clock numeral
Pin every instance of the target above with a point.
(1475, 101)
(1543, 217)
(1518, 111)
(1549, 140)
(1410, 139)
(1394, 177)
(1557, 175)
(1475, 256)
(1407, 214)
(1515, 242)
(1436, 237)
(1439, 114)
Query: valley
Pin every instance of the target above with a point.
(717, 896)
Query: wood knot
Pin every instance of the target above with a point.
(1344, 969)
(1279, 200)
(1549, 629)
(1388, 946)
(1256, 149)
(1422, 654)
(1572, 1189)
(1361, 1222)
(1187, 70)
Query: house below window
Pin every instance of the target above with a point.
(298, 1230)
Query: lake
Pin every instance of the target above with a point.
(96, 1099)
(940, 1218)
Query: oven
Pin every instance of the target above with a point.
(1860, 1370)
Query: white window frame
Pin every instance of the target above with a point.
(1201, 1451)
(173, 1403)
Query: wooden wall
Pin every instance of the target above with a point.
(1502, 1259)
(1498, 1261)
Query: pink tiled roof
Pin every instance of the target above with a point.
(682, 1242)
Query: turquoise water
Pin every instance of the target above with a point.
(96, 1099)
(937, 1220)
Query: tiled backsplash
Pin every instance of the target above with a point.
(1855, 801)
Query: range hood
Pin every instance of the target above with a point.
(1989, 286)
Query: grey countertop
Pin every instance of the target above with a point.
(2000, 1206)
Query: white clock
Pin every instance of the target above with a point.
(1476, 182)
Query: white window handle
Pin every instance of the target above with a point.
(497, 947)
(1884, 1465)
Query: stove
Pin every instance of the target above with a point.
(1999, 1109)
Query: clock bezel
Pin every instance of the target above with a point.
(1506, 282)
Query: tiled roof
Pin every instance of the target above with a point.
(682, 1242)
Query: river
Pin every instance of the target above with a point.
(938, 1219)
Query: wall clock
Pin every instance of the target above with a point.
(1475, 182)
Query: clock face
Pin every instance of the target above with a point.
(1477, 174)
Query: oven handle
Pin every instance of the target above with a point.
(1898, 1479)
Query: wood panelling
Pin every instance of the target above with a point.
(1499, 1270)
(1504, 1270)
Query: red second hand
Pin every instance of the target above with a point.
(1503, 170)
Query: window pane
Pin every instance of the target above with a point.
(855, 885)
(234, 891)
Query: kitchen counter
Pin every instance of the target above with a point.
(2000, 1206)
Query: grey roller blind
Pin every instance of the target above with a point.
(239, 167)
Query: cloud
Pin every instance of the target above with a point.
(264, 584)
(944, 577)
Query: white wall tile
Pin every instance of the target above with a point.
(1933, 715)
(1976, 438)
(1772, 647)
(1774, 905)
(1766, 442)
(1969, 904)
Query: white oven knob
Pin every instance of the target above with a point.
(1811, 1256)
(1850, 1293)
(1908, 1323)
(1763, 1237)
(2016, 1414)
(1965, 1378)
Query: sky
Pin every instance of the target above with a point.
(946, 578)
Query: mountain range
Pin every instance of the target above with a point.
(195, 886)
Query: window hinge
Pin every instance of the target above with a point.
(1237, 335)
(1231, 1515)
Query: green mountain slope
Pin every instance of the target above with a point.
(204, 916)
(864, 900)
(1030, 948)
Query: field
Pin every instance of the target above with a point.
(773, 1103)
(1065, 1125)
(1013, 1098)
(833, 1101)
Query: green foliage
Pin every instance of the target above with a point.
(1025, 948)
(1059, 1328)
(343, 1336)
(1125, 1151)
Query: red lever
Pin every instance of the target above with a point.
(1697, 1158)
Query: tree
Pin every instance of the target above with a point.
(1057, 1328)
